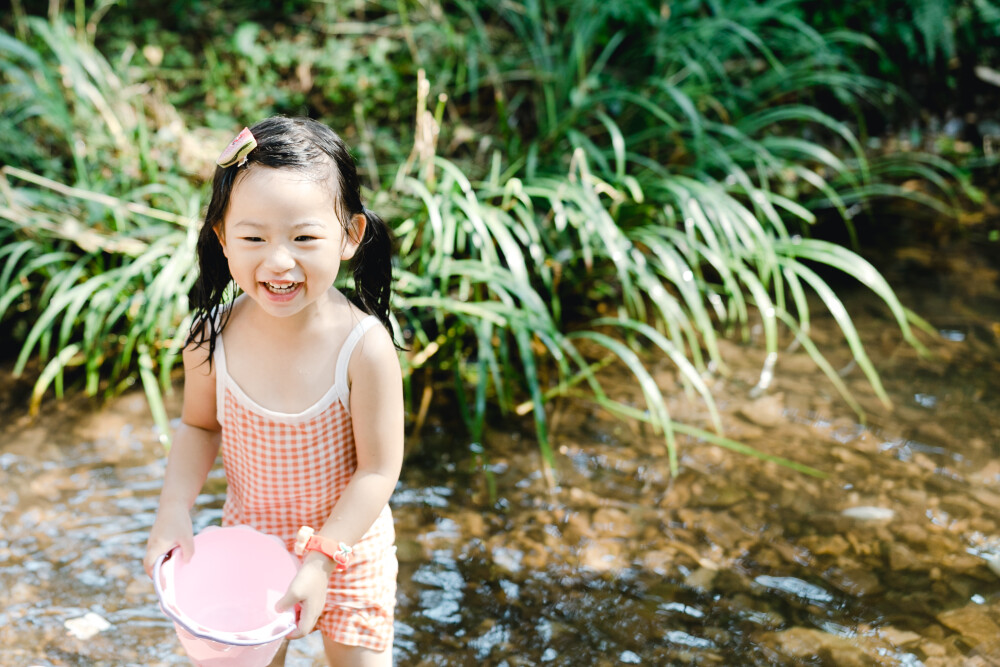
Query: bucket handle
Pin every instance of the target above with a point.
(169, 607)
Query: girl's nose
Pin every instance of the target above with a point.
(280, 259)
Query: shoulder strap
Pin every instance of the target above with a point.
(344, 358)
(221, 375)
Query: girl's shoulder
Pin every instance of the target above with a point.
(203, 339)
(375, 350)
(235, 316)
(375, 377)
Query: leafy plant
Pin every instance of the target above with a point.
(932, 48)
(669, 174)
(574, 196)
(91, 279)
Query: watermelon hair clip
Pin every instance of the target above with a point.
(237, 150)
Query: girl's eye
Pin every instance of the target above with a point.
(304, 238)
(253, 239)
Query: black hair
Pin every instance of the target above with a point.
(309, 146)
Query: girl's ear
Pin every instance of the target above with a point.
(355, 233)
(220, 233)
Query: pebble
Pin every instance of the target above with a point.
(899, 637)
(86, 626)
(820, 545)
(855, 581)
(993, 562)
(803, 644)
(603, 556)
(972, 622)
(902, 557)
(701, 579)
(765, 411)
(613, 522)
(869, 513)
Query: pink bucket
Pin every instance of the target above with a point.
(222, 600)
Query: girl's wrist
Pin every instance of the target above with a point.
(177, 505)
(308, 542)
(319, 560)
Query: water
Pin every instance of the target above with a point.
(734, 561)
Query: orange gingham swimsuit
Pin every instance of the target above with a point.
(285, 471)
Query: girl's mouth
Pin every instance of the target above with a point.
(284, 288)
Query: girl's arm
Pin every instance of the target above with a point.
(377, 416)
(192, 455)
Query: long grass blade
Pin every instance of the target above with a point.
(657, 407)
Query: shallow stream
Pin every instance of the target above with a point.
(886, 561)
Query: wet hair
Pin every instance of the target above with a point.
(314, 149)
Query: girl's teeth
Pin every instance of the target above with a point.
(281, 288)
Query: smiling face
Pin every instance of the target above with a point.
(284, 240)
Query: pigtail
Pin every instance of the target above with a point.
(209, 313)
(373, 268)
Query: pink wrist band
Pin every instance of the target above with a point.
(307, 540)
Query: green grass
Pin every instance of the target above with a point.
(565, 194)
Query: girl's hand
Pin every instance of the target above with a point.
(171, 528)
(308, 590)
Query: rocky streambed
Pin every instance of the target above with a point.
(889, 558)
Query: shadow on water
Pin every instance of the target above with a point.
(734, 561)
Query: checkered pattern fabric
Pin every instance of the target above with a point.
(285, 471)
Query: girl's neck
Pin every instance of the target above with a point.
(319, 315)
(287, 364)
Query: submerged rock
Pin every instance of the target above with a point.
(701, 579)
(869, 513)
(973, 622)
(603, 555)
(87, 626)
(899, 638)
(765, 411)
(855, 581)
(809, 644)
(612, 522)
(821, 545)
(902, 557)
(993, 562)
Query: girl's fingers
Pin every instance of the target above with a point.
(289, 600)
(152, 554)
(308, 590)
(308, 615)
(187, 547)
(154, 551)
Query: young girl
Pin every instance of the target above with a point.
(299, 384)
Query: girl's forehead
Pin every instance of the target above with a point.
(265, 192)
(319, 176)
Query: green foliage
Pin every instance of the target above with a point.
(931, 47)
(95, 274)
(587, 182)
(929, 31)
(88, 297)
